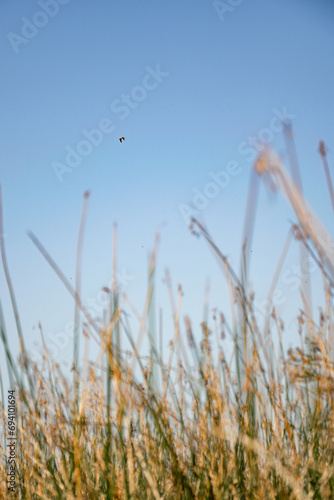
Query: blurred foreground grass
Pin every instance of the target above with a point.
(257, 425)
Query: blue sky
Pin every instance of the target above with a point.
(194, 83)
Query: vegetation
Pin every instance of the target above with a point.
(257, 425)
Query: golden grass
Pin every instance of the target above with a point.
(130, 429)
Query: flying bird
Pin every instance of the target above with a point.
(121, 139)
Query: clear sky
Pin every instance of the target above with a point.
(187, 84)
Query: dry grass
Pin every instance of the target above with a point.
(131, 429)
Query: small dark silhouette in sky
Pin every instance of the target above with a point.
(121, 139)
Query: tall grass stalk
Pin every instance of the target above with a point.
(213, 431)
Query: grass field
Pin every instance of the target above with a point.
(259, 424)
